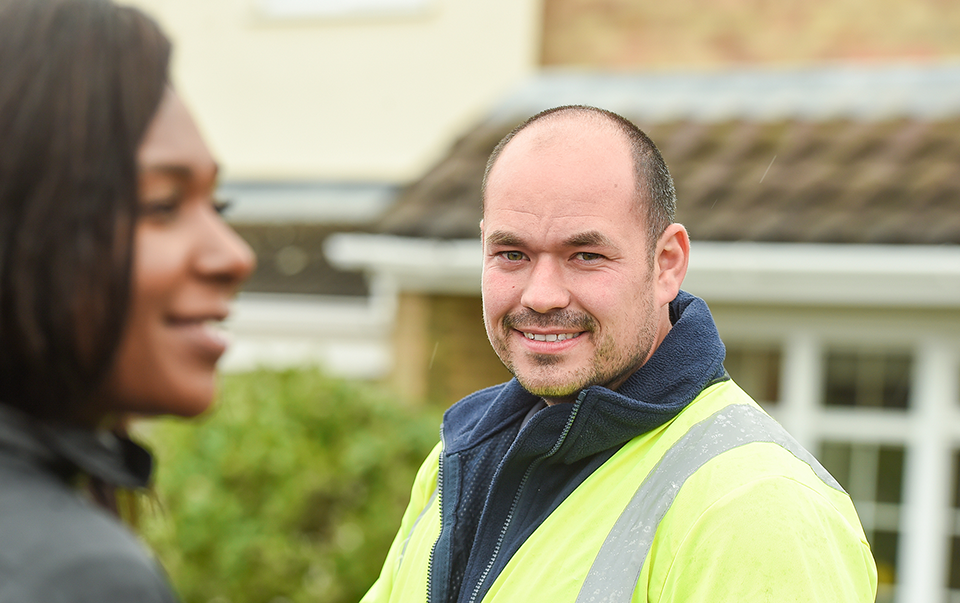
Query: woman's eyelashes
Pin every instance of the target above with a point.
(220, 205)
(161, 208)
(166, 206)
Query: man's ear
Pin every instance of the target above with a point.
(670, 262)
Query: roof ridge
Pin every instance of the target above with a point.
(860, 91)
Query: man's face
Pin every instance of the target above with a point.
(568, 279)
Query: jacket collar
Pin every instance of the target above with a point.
(688, 359)
(115, 460)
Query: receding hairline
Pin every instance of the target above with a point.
(554, 127)
(654, 190)
(552, 124)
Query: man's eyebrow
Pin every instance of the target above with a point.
(503, 238)
(589, 238)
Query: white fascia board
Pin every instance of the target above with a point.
(310, 316)
(820, 274)
(764, 273)
(306, 202)
(410, 263)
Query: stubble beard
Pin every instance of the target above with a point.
(610, 364)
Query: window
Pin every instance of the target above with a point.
(954, 567)
(873, 476)
(872, 379)
(755, 368)
(282, 9)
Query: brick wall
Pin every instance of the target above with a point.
(441, 349)
(631, 34)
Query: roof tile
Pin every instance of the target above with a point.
(857, 175)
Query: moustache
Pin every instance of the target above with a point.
(563, 319)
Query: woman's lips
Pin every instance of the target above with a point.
(203, 335)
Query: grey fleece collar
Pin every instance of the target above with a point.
(101, 454)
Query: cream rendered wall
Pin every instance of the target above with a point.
(361, 98)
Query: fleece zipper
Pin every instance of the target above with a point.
(433, 549)
(516, 499)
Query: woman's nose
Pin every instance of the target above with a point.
(225, 256)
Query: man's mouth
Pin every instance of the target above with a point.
(551, 336)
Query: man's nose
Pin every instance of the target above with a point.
(546, 289)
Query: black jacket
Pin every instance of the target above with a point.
(55, 546)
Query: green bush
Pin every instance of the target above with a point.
(290, 490)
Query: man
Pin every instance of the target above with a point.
(621, 463)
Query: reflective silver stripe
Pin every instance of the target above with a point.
(406, 541)
(614, 573)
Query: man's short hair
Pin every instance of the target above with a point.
(654, 185)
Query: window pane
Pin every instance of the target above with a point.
(755, 368)
(884, 547)
(835, 456)
(873, 476)
(956, 480)
(890, 474)
(867, 379)
(953, 579)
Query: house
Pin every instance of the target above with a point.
(822, 201)
(319, 111)
(824, 208)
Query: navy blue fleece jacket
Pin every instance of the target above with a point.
(499, 479)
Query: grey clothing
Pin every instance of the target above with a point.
(56, 546)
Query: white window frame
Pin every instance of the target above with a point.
(929, 429)
(336, 9)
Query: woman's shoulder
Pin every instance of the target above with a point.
(56, 544)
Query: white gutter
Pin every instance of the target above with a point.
(807, 273)
(410, 263)
(766, 273)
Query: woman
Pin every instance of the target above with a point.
(114, 262)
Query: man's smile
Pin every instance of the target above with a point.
(551, 336)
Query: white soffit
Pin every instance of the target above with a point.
(767, 273)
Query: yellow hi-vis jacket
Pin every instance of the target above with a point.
(718, 505)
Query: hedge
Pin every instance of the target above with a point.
(291, 490)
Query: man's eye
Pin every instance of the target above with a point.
(512, 256)
(586, 256)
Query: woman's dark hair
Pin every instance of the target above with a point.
(80, 81)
